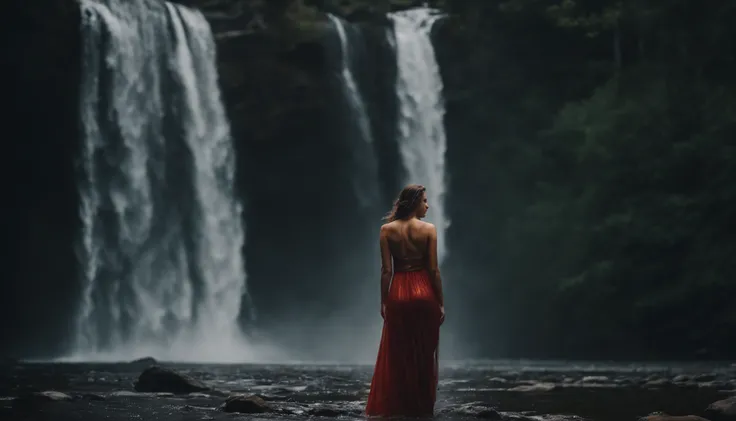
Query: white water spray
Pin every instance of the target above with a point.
(162, 236)
(422, 140)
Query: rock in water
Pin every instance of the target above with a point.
(34, 399)
(665, 417)
(157, 379)
(92, 397)
(595, 379)
(246, 404)
(472, 409)
(145, 361)
(325, 411)
(535, 387)
(723, 410)
(705, 377)
(656, 383)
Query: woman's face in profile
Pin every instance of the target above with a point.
(423, 206)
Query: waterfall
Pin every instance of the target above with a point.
(351, 87)
(365, 177)
(421, 133)
(163, 272)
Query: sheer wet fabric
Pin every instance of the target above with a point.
(405, 377)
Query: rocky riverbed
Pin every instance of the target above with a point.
(524, 391)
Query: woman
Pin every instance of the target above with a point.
(412, 306)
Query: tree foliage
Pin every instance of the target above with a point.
(602, 136)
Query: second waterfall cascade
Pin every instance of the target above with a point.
(162, 238)
(365, 177)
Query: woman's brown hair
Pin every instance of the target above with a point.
(407, 202)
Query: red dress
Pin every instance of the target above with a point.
(405, 377)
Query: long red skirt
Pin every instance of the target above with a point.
(405, 377)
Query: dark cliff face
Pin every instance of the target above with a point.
(40, 78)
(305, 231)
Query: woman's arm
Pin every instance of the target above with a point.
(387, 269)
(434, 267)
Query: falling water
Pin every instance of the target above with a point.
(162, 231)
(351, 88)
(421, 133)
(365, 177)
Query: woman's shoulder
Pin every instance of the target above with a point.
(425, 226)
(389, 226)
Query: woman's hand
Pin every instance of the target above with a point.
(442, 314)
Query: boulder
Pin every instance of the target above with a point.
(666, 417)
(246, 404)
(145, 361)
(157, 379)
(33, 399)
(723, 410)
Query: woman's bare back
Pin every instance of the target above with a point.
(408, 242)
(407, 246)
